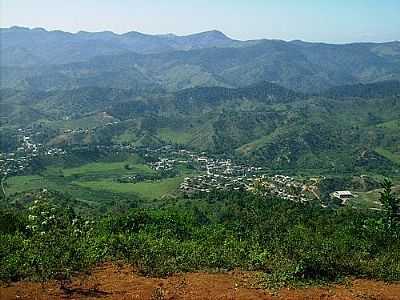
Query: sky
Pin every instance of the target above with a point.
(335, 21)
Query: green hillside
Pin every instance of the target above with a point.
(263, 123)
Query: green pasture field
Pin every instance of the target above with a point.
(97, 181)
(148, 189)
(389, 155)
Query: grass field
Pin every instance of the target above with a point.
(147, 189)
(129, 136)
(25, 183)
(114, 168)
(370, 199)
(394, 124)
(175, 137)
(97, 182)
(389, 155)
(247, 148)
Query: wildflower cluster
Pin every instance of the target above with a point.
(82, 227)
(42, 217)
(45, 218)
(53, 242)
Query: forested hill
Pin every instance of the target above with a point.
(264, 91)
(343, 130)
(36, 58)
(373, 90)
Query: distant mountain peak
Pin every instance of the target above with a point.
(41, 29)
(212, 34)
(215, 32)
(18, 28)
(134, 34)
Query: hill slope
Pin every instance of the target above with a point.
(265, 123)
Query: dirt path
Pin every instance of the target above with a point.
(110, 282)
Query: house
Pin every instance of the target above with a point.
(344, 196)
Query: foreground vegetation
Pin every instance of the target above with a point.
(287, 242)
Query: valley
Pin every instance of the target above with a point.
(165, 162)
(98, 176)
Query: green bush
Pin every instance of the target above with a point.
(290, 243)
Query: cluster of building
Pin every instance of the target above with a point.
(221, 174)
(87, 130)
(165, 164)
(286, 187)
(10, 163)
(17, 162)
(207, 183)
(214, 173)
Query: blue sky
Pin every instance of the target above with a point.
(337, 21)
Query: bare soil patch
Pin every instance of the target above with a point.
(111, 282)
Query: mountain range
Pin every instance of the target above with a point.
(45, 60)
(287, 105)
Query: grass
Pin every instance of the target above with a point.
(25, 183)
(394, 124)
(389, 155)
(128, 136)
(96, 182)
(146, 189)
(247, 148)
(108, 168)
(370, 199)
(175, 137)
(18, 184)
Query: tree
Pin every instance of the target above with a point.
(2, 187)
(390, 204)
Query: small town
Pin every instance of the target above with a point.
(15, 163)
(206, 174)
(218, 174)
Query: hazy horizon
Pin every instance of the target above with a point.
(193, 33)
(325, 21)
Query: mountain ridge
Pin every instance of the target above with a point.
(211, 31)
(60, 60)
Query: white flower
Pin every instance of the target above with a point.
(42, 233)
(36, 201)
(31, 217)
(44, 223)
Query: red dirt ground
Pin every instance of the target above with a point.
(110, 282)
